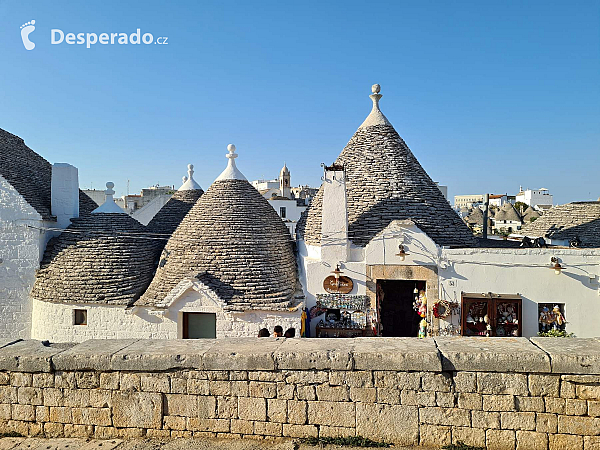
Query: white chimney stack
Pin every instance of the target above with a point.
(334, 225)
(64, 193)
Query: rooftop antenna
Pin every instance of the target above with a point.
(127, 187)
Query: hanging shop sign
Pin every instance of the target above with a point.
(341, 285)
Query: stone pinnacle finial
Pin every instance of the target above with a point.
(376, 117)
(184, 179)
(109, 205)
(231, 172)
(189, 184)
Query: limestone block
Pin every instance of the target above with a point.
(130, 433)
(263, 375)
(417, 398)
(499, 403)
(227, 407)
(207, 407)
(465, 381)
(5, 413)
(181, 405)
(285, 391)
(565, 441)
(331, 413)
(214, 375)
(303, 377)
(109, 380)
(238, 375)
(262, 389)
(468, 435)
(60, 414)
(502, 383)
(100, 398)
(242, 426)
(435, 436)
(155, 355)
(333, 393)
(52, 397)
(242, 354)
(212, 425)
(277, 410)
(179, 385)
(158, 434)
(42, 380)
(195, 386)
(535, 404)
(389, 396)
(588, 391)
(52, 430)
(81, 431)
(174, 422)
(42, 414)
(492, 355)
(591, 442)
(360, 379)
(219, 387)
(574, 407)
(297, 412)
(30, 356)
(306, 393)
(500, 439)
(445, 399)
(23, 412)
(8, 394)
(388, 423)
(91, 416)
(130, 381)
(367, 395)
(530, 440)
(438, 382)
(137, 409)
(517, 420)
(155, 383)
(21, 379)
(594, 408)
(445, 416)
(5, 378)
(250, 408)
(396, 354)
(581, 355)
(546, 423)
(583, 426)
(268, 428)
(555, 405)
(541, 385)
(94, 354)
(30, 396)
(76, 397)
(87, 380)
(470, 401)
(306, 354)
(486, 419)
(300, 431)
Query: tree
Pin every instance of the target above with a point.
(521, 207)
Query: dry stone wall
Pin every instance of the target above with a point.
(501, 393)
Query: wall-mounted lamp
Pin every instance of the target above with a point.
(591, 275)
(401, 252)
(555, 265)
(336, 273)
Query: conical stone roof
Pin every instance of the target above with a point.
(168, 218)
(100, 258)
(234, 242)
(385, 182)
(508, 212)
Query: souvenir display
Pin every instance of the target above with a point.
(345, 315)
(491, 315)
(551, 319)
(422, 328)
(441, 309)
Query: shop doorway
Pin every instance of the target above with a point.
(395, 304)
(199, 326)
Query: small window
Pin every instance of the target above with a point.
(282, 212)
(80, 316)
(551, 316)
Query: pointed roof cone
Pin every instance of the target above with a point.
(234, 242)
(189, 184)
(109, 205)
(103, 257)
(385, 182)
(284, 170)
(168, 218)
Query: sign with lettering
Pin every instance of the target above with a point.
(343, 285)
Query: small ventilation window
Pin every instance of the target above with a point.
(282, 212)
(80, 316)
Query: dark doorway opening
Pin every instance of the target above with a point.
(396, 314)
(199, 326)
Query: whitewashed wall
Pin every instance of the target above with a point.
(527, 272)
(20, 250)
(147, 212)
(54, 321)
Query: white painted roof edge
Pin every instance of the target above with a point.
(376, 117)
(231, 172)
(190, 184)
(109, 205)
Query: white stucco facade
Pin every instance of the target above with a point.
(20, 252)
(534, 197)
(55, 321)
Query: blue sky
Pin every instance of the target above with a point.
(488, 95)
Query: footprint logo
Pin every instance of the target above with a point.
(26, 30)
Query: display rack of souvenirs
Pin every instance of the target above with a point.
(343, 315)
(551, 320)
(507, 322)
(475, 325)
(491, 315)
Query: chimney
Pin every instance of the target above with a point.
(334, 224)
(64, 193)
